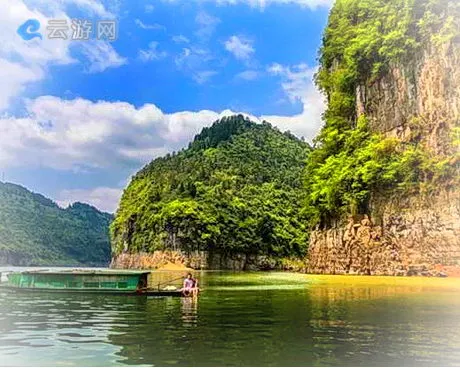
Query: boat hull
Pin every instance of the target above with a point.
(122, 282)
(117, 282)
(174, 293)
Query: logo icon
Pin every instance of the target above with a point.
(29, 30)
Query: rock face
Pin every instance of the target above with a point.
(198, 260)
(412, 239)
(422, 97)
(417, 234)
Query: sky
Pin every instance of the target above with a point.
(80, 116)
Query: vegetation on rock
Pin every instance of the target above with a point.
(237, 188)
(362, 41)
(36, 231)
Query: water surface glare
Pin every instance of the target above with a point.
(248, 319)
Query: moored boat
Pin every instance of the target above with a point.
(127, 282)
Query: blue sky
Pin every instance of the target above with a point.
(78, 118)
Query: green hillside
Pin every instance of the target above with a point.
(236, 188)
(35, 231)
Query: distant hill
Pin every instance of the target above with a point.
(36, 231)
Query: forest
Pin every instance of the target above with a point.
(236, 188)
(35, 231)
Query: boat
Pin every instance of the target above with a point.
(126, 282)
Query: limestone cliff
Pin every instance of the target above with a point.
(413, 237)
(420, 97)
(417, 98)
(201, 260)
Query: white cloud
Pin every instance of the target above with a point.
(24, 62)
(101, 55)
(79, 134)
(313, 4)
(276, 68)
(92, 6)
(180, 39)
(104, 198)
(248, 75)
(195, 61)
(207, 24)
(152, 53)
(298, 85)
(149, 8)
(154, 26)
(14, 77)
(240, 47)
(203, 76)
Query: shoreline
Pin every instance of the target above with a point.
(171, 267)
(177, 260)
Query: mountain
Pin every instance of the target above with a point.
(382, 183)
(237, 189)
(36, 231)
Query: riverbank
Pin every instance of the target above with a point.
(177, 260)
(202, 260)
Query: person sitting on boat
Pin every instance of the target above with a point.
(190, 286)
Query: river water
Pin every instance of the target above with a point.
(241, 319)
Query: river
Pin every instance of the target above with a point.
(241, 319)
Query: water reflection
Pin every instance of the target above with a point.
(43, 329)
(257, 323)
(189, 310)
